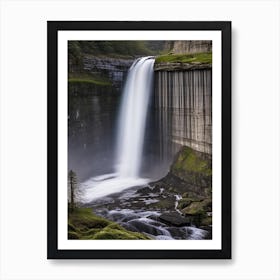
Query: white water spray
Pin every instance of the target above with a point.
(131, 132)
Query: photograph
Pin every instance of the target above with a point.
(140, 140)
(131, 136)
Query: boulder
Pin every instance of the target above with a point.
(175, 219)
(198, 207)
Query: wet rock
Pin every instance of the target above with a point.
(175, 219)
(179, 232)
(145, 227)
(144, 191)
(165, 203)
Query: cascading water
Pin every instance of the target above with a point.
(131, 131)
(132, 121)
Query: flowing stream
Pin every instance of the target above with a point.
(131, 132)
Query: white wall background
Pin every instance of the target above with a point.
(255, 151)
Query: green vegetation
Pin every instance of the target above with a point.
(191, 161)
(114, 49)
(88, 81)
(87, 78)
(195, 208)
(185, 202)
(109, 48)
(206, 221)
(83, 224)
(194, 58)
(195, 168)
(198, 209)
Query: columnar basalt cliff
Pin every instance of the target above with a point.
(183, 99)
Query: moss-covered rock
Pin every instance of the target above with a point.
(111, 233)
(195, 208)
(198, 207)
(84, 219)
(206, 221)
(73, 235)
(184, 202)
(83, 224)
(193, 167)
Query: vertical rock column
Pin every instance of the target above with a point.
(183, 100)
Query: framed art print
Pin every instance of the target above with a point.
(139, 140)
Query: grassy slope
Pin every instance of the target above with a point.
(185, 58)
(83, 224)
(98, 80)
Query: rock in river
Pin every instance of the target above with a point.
(175, 219)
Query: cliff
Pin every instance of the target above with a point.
(183, 47)
(114, 69)
(183, 99)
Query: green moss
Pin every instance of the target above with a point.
(109, 233)
(206, 221)
(195, 208)
(73, 235)
(71, 227)
(88, 81)
(186, 58)
(198, 207)
(84, 224)
(190, 161)
(89, 78)
(84, 219)
(112, 48)
(184, 202)
(193, 167)
(114, 226)
(185, 195)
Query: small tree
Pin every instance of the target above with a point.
(73, 189)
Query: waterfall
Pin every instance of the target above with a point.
(132, 121)
(131, 132)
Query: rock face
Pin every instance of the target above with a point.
(114, 68)
(183, 47)
(190, 178)
(175, 219)
(177, 66)
(183, 100)
(83, 89)
(195, 168)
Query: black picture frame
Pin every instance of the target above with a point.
(53, 27)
